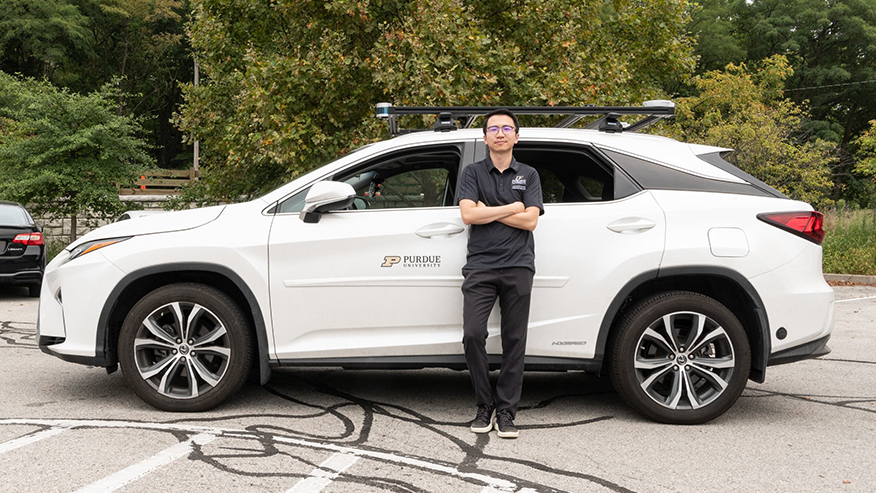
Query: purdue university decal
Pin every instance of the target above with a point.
(412, 261)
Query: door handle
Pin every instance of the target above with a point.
(631, 225)
(440, 230)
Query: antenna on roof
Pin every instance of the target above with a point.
(653, 112)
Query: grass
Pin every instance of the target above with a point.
(850, 241)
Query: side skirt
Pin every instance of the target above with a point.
(453, 362)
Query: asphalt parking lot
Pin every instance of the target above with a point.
(66, 427)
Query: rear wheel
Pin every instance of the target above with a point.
(185, 347)
(34, 290)
(681, 358)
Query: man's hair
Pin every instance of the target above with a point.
(502, 111)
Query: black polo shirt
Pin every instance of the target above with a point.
(495, 245)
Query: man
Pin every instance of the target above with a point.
(501, 199)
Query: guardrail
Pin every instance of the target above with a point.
(161, 182)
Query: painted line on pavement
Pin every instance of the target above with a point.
(29, 439)
(384, 456)
(323, 475)
(157, 461)
(856, 299)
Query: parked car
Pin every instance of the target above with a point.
(22, 249)
(658, 263)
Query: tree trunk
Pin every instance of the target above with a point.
(72, 228)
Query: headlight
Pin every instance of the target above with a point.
(92, 246)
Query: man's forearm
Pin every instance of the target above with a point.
(527, 219)
(483, 214)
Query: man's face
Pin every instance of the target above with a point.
(500, 141)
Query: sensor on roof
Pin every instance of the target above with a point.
(383, 110)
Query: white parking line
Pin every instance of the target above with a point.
(323, 475)
(29, 439)
(490, 489)
(856, 299)
(385, 456)
(135, 472)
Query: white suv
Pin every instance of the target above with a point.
(657, 262)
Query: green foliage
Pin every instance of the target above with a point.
(291, 85)
(866, 143)
(827, 43)
(83, 44)
(63, 153)
(40, 37)
(850, 242)
(742, 108)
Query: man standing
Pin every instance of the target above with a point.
(501, 199)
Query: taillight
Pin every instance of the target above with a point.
(29, 239)
(809, 225)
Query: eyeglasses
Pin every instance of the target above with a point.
(506, 129)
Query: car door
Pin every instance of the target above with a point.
(381, 279)
(598, 232)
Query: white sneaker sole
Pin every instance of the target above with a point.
(488, 428)
(506, 434)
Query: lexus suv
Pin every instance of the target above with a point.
(658, 264)
(22, 249)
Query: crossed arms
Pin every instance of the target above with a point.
(514, 214)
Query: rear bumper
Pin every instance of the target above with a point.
(22, 277)
(809, 350)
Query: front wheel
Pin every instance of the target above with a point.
(680, 358)
(185, 347)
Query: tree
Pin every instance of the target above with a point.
(742, 108)
(830, 44)
(83, 44)
(290, 85)
(40, 37)
(63, 153)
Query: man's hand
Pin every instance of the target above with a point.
(480, 213)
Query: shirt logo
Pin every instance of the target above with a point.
(518, 183)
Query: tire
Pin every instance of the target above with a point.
(674, 384)
(159, 364)
(34, 290)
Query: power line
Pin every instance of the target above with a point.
(824, 87)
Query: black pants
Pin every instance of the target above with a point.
(513, 287)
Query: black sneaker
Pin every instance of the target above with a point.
(505, 425)
(484, 420)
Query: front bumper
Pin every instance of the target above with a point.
(809, 350)
(46, 343)
(72, 298)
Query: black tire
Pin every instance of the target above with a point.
(219, 326)
(674, 384)
(34, 290)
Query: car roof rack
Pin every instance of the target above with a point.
(608, 121)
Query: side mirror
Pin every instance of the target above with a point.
(326, 196)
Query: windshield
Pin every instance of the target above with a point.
(13, 215)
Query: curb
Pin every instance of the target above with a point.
(850, 278)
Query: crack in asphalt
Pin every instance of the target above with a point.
(845, 404)
(22, 334)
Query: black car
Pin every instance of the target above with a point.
(22, 249)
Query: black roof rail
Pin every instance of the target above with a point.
(450, 116)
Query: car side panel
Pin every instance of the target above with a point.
(691, 215)
(785, 269)
(237, 240)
